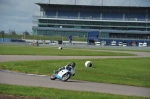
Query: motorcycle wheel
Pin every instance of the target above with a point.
(53, 77)
(66, 76)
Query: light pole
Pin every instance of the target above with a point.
(61, 35)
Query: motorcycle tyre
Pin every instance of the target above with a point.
(67, 78)
(53, 77)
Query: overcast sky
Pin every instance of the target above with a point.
(17, 14)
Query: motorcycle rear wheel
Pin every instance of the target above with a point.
(66, 76)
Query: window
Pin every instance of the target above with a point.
(61, 22)
(52, 21)
(69, 22)
(105, 23)
(42, 21)
(96, 23)
(123, 24)
(79, 22)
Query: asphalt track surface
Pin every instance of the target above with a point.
(8, 77)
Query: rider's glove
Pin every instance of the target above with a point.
(73, 74)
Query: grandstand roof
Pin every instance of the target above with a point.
(119, 3)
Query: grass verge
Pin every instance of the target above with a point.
(133, 71)
(51, 93)
(54, 51)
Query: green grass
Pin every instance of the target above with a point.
(134, 72)
(41, 37)
(54, 51)
(58, 93)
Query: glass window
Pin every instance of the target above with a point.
(132, 24)
(85, 27)
(96, 23)
(123, 24)
(52, 21)
(141, 24)
(87, 22)
(42, 21)
(79, 22)
(105, 23)
(114, 23)
(68, 26)
(148, 24)
(69, 22)
(61, 22)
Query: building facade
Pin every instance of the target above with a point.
(117, 21)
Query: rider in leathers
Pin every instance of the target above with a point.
(69, 67)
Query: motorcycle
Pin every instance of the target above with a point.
(63, 74)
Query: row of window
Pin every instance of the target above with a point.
(59, 33)
(101, 28)
(121, 35)
(93, 23)
(105, 35)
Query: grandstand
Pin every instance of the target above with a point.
(121, 19)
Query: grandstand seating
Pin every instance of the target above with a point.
(136, 16)
(105, 16)
(67, 14)
(149, 17)
(95, 15)
(98, 15)
(86, 15)
(50, 13)
(117, 15)
(131, 15)
(112, 16)
(141, 17)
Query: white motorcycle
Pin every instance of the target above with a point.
(63, 74)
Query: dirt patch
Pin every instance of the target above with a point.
(3, 96)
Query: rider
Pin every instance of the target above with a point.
(69, 67)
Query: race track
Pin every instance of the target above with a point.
(8, 77)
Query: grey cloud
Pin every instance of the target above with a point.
(17, 14)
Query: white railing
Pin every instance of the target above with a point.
(93, 18)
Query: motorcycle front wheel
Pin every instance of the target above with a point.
(66, 76)
(53, 77)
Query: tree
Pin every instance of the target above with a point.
(13, 33)
(2, 33)
(26, 33)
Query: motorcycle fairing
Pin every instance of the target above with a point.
(58, 77)
(61, 73)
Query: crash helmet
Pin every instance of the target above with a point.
(73, 64)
